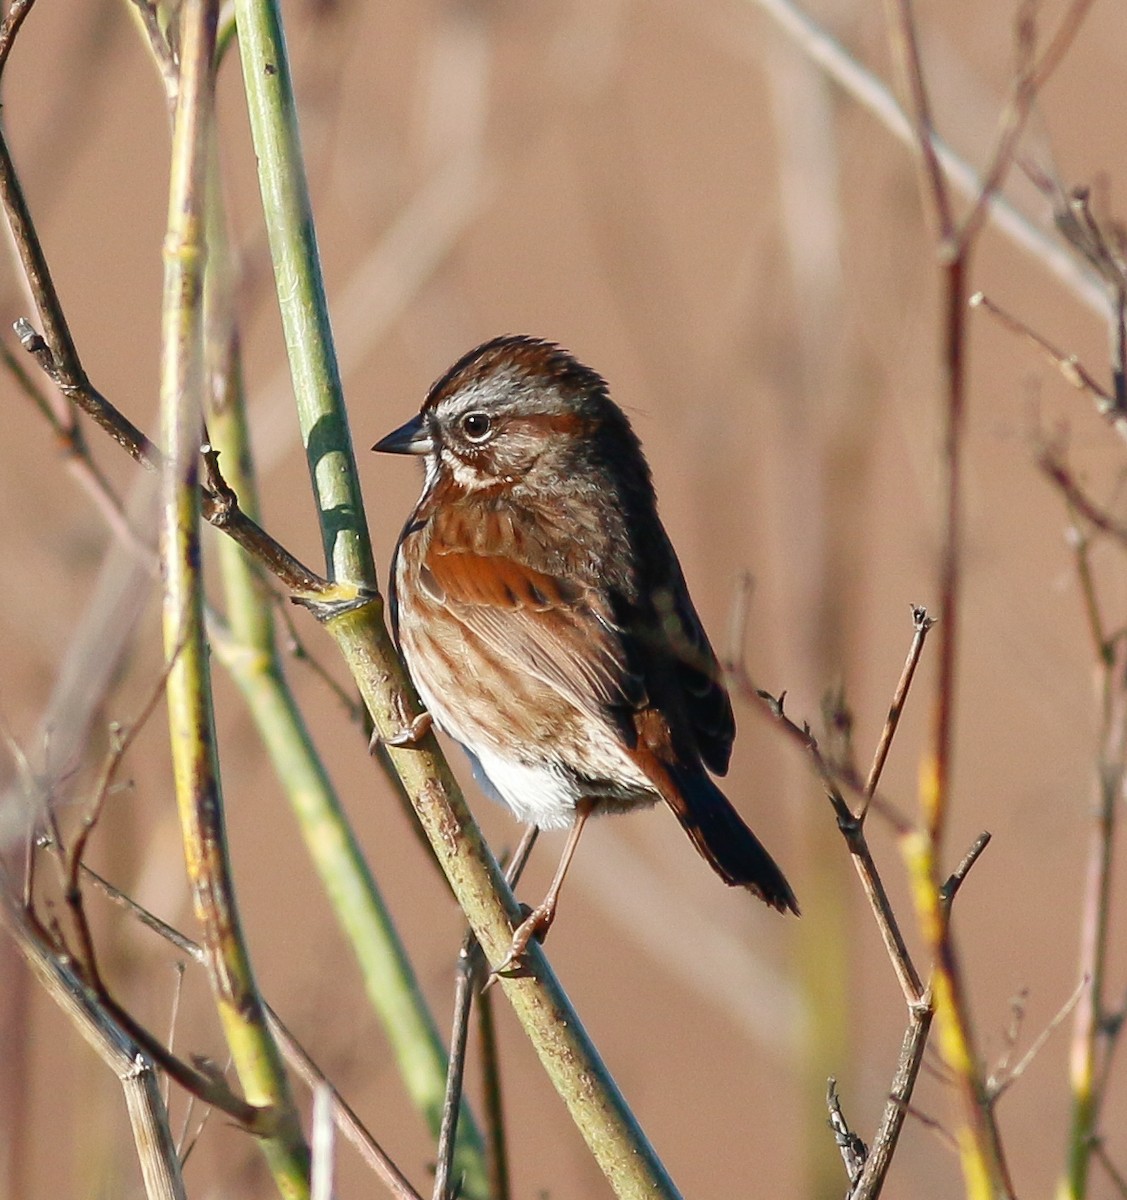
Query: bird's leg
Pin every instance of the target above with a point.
(539, 921)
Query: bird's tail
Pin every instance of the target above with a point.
(722, 838)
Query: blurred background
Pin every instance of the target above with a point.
(673, 192)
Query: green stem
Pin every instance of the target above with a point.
(305, 313)
(191, 726)
(565, 1051)
(249, 652)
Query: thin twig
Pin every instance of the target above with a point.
(1003, 1077)
(295, 646)
(923, 624)
(980, 1149)
(1074, 373)
(1085, 1080)
(493, 1108)
(908, 1065)
(934, 1126)
(906, 53)
(296, 1056)
(148, 15)
(1054, 468)
(471, 964)
(853, 1149)
(121, 741)
(1118, 1179)
(955, 880)
(148, 1114)
(10, 26)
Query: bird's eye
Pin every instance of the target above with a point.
(476, 426)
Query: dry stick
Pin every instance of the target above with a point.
(853, 1150)
(1088, 1082)
(120, 747)
(870, 1178)
(1091, 1012)
(1079, 500)
(496, 1135)
(1073, 371)
(874, 1169)
(1114, 1174)
(1004, 1078)
(85, 969)
(1077, 224)
(906, 56)
(958, 875)
(470, 964)
(160, 1166)
(220, 507)
(296, 1055)
(981, 1154)
(923, 624)
(919, 1001)
(853, 832)
(10, 26)
(80, 462)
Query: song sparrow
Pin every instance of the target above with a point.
(544, 618)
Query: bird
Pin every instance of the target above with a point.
(544, 618)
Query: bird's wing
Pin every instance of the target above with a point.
(546, 626)
(697, 672)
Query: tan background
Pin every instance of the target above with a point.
(671, 192)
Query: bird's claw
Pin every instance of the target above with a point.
(535, 925)
(408, 735)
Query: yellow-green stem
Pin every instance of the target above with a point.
(565, 1051)
(249, 652)
(976, 1135)
(191, 729)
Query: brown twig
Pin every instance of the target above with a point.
(1075, 374)
(209, 1089)
(873, 1169)
(493, 1109)
(853, 1149)
(1087, 1082)
(1054, 469)
(1003, 1077)
(57, 354)
(121, 741)
(10, 27)
(906, 54)
(471, 968)
(980, 1147)
(296, 1055)
(955, 880)
(1118, 1179)
(148, 1114)
(923, 624)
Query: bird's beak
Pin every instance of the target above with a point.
(412, 438)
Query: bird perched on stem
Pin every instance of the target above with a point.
(544, 619)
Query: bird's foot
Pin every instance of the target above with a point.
(535, 925)
(409, 734)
